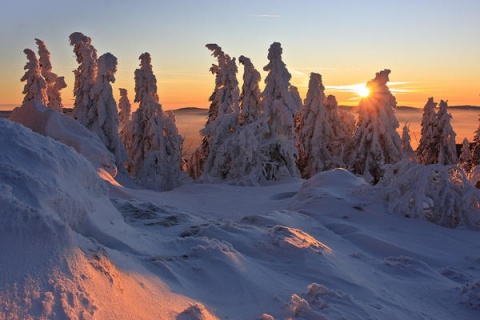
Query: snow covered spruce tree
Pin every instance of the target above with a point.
(427, 148)
(104, 110)
(406, 145)
(465, 158)
(243, 155)
(124, 116)
(279, 109)
(376, 141)
(155, 149)
(35, 88)
(321, 134)
(85, 76)
(213, 157)
(54, 82)
(445, 137)
(250, 96)
(476, 147)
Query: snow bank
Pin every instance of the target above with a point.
(53, 124)
(64, 248)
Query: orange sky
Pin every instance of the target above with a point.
(431, 46)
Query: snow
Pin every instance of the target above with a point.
(75, 246)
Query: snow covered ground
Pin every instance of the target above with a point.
(75, 246)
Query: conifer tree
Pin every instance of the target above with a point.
(376, 141)
(445, 137)
(250, 96)
(223, 119)
(155, 149)
(406, 146)
(124, 115)
(35, 88)
(427, 148)
(85, 75)
(476, 147)
(465, 158)
(279, 109)
(321, 133)
(105, 113)
(54, 82)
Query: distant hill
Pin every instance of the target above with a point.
(191, 111)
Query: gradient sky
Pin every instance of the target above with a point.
(431, 46)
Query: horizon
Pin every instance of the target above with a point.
(420, 43)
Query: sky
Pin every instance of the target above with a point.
(431, 46)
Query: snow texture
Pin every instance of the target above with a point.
(296, 249)
(48, 122)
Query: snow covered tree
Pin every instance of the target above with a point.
(85, 76)
(105, 120)
(279, 110)
(156, 147)
(476, 147)
(376, 141)
(427, 148)
(241, 156)
(54, 82)
(441, 194)
(296, 98)
(445, 137)
(406, 146)
(222, 122)
(465, 158)
(35, 87)
(124, 116)
(250, 97)
(321, 133)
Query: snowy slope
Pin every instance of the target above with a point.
(74, 246)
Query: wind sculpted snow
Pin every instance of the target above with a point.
(74, 246)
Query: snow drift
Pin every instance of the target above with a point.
(295, 249)
(58, 239)
(48, 122)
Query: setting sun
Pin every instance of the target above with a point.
(363, 92)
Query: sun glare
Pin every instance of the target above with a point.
(363, 92)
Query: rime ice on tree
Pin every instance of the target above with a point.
(54, 82)
(465, 158)
(105, 121)
(250, 97)
(427, 148)
(155, 148)
(85, 76)
(376, 141)
(406, 146)
(35, 87)
(124, 116)
(321, 133)
(222, 119)
(445, 137)
(279, 110)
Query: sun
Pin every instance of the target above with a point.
(363, 92)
